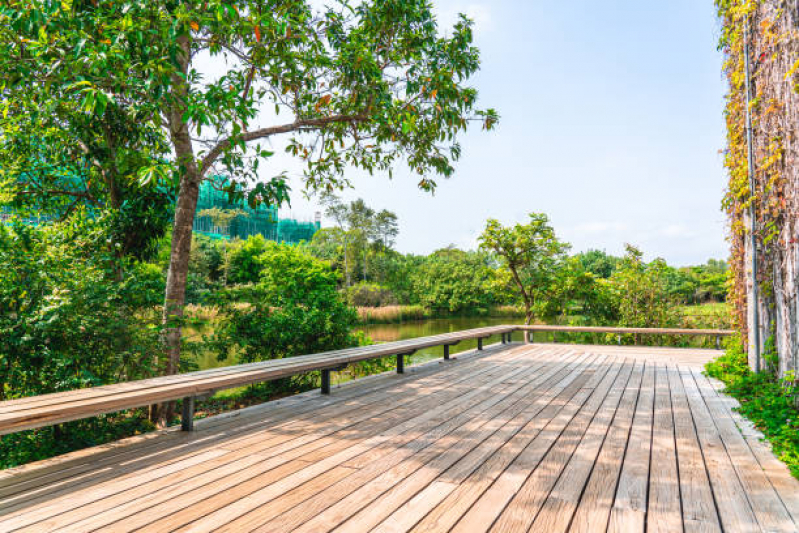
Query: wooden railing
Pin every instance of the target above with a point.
(49, 409)
(618, 331)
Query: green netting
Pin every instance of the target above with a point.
(262, 220)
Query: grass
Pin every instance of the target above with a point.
(394, 314)
(770, 403)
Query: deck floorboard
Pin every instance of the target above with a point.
(541, 437)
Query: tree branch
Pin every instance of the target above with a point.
(263, 133)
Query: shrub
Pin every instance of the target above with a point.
(370, 295)
(293, 309)
(72, 315)
(770, 403)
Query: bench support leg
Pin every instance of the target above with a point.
(187, 418)
(446, 351)
(325, 381)
(480, 343)
(718, 342)
(400, 364)
(503, 338)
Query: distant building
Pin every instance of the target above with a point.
(263, 220)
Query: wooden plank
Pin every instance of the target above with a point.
(72, 496)
(630, 503)
(320, 509)
(735, 510)
(664, 514)
(593, 508)
(493, 501)
(784, 483)
(769, 509)
(698, 506)
(522, 510)
(208, 500)
(384, 490)
(624, 330)
(242, 502)
(560, 505)
(508, 397)
(480, 463)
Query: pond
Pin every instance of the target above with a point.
(390, 332)
(425, 328)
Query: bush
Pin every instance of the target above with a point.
(72, 315)
(452, 281)
(770, 403)
(293, 309)
(370, 295)
(243, 259)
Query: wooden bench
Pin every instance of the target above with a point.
(38, 411)
(618, 331)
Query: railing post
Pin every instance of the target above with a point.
(618, 339)
(187, 417)
(479, 343)
(400, 363)
(446, 351)
(718, 342)
(326, 381)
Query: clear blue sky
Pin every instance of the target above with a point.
(611, 124)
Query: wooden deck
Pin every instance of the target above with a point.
(524, 438)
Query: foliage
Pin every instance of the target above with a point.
(72, 315)
(244, 259)
(598, 262)
(391, 314)
(640, 291)
(293, 309)
(770, 403)
(533, 256)
(451, 281)
(365, 85)
(759, 204)
(370, 295)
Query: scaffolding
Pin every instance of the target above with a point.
(262, 220)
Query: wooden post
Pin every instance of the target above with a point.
(326, 381)
(479, 343)
(187, 417)
(446, 351)
(618, 339)
(400, 363)
(718, 342)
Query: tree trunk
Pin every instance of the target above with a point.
(188, 194)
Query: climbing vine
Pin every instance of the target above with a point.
(774, 86)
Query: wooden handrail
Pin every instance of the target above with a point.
(49, 409)
(623, 330)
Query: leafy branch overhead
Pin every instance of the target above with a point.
(352, 84)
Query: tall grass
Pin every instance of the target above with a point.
(391, 313)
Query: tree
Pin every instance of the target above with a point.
(456, 282)
(386, 228)
(365, 86)
(532, 253)
(293, 309)
(641, 292)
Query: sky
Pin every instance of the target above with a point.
(611, 124)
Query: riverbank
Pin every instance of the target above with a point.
(395, 314)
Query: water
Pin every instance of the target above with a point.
(388, 333)
(425, 328)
